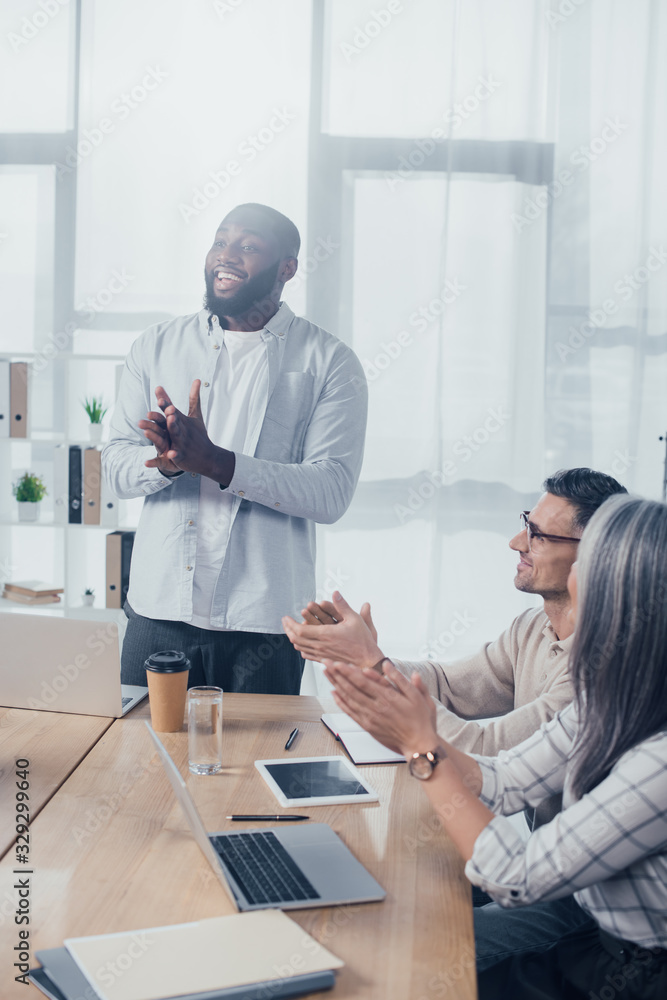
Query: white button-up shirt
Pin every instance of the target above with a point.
(304, 469)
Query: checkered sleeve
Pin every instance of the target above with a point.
(593, 841)
(532, 771)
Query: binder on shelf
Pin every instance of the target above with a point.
(4, 399)
(18, 399)
(92, 475)
(60, 484)
(119, 556)
(108, 504)
(75, 484)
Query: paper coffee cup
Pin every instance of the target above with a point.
(167, 675)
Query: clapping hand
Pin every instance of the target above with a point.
(336, 631)
(155, 429)
(398, 712)
(181, 439)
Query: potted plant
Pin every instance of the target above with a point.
(29, 491)
(94, 409)
(88, 597)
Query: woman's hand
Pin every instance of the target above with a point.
(398, 712)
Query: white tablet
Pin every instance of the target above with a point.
(315, 781)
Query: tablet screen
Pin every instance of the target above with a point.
(315, 779)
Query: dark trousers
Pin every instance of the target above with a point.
(586, 965)
(261, 663)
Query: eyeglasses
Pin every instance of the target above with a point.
(534, 533)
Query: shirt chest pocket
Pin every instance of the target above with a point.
(287, 416)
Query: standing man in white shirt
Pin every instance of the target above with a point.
(259, 434)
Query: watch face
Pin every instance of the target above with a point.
(421, 767)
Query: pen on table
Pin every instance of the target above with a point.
(277, 819)
(291, 737)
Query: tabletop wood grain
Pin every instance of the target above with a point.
(111, 851)
(54, 744)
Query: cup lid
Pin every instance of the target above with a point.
(169, 661)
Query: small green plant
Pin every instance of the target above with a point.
(89, 591)
(93, 408)
(29, 489)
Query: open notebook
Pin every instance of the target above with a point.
(361, 746)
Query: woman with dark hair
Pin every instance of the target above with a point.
(606, 752)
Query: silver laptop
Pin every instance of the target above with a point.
(285, 868)
(63, 665)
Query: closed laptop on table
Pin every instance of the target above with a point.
(63, 665)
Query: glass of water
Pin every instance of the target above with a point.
(205, 730)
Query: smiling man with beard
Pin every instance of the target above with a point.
(258, 434)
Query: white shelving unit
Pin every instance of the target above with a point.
(69, 555)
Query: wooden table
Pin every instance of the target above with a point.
(111, 851)
(54, 743)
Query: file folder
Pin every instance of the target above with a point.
(18, 399)
(75, 484)
(4, 399)
(119, 557)
(92, 476)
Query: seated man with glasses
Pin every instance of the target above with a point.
(522, 676)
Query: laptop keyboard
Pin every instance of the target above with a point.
(263, 869)
(126, 700)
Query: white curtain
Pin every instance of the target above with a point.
(508, 296)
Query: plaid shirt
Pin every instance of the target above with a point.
(609, 848)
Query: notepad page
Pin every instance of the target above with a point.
(219, 952)
(339, 722)
(365, 749)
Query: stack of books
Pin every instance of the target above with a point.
(261, 955)
(32, 592)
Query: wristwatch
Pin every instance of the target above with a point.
(422, 765)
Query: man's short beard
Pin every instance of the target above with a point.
(548, 595)
(253, 294)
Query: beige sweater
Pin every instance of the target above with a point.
(522, 677)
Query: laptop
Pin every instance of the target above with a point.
(63, 665)
(286, 867)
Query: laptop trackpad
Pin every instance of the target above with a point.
(335, 872)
